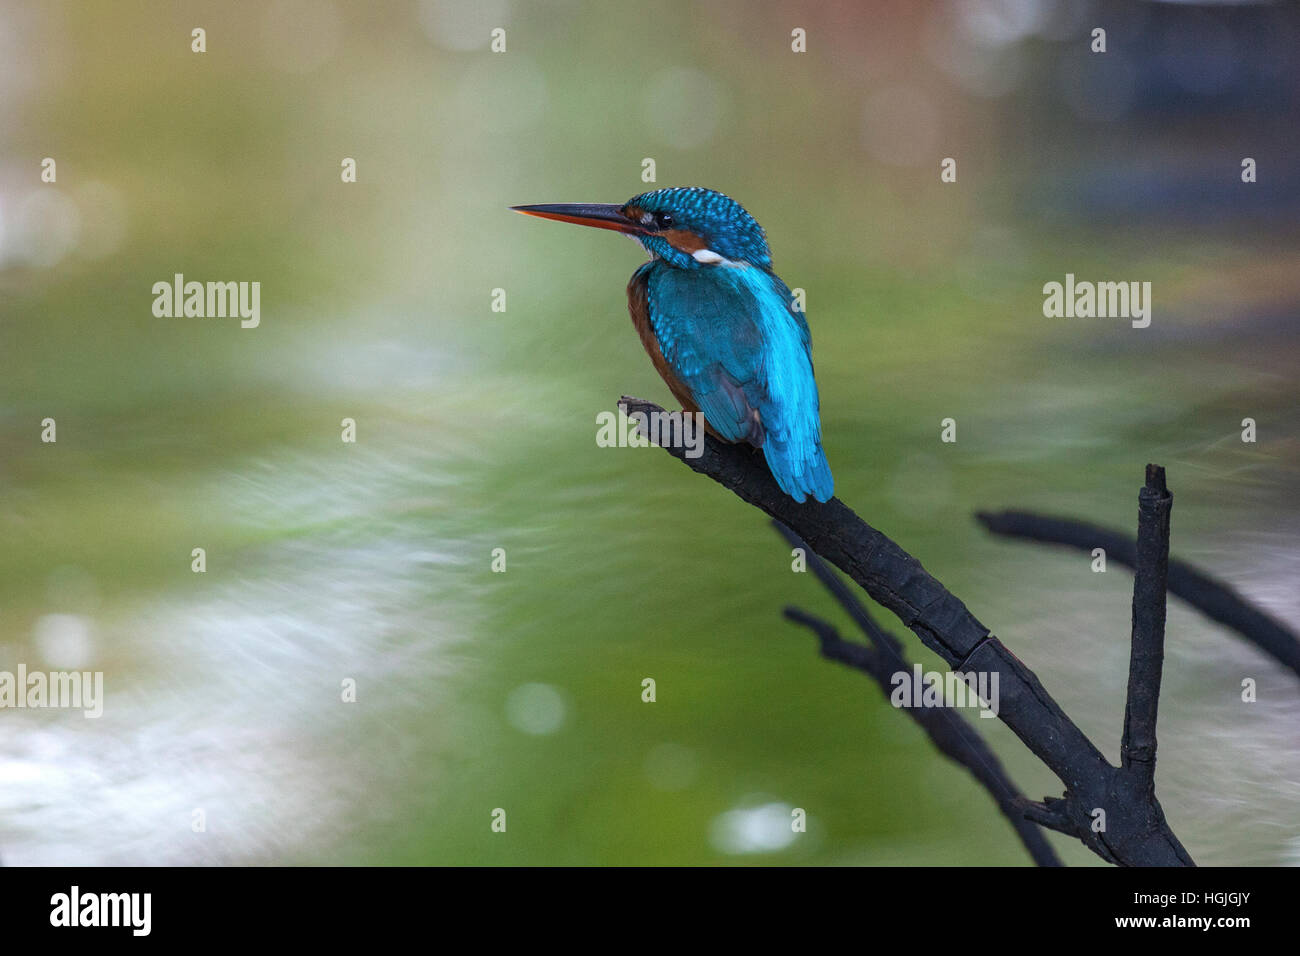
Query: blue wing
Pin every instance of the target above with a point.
(732, 338)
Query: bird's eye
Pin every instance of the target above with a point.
(663, 220)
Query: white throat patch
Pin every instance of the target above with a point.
(709, 257)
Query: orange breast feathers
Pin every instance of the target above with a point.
(638, 305)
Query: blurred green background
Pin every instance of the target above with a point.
(475, 428)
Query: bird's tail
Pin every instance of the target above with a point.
(800, 475)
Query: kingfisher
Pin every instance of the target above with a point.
(720, 326)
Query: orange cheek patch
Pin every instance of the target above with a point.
(687, 242)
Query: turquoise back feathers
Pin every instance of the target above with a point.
(731, 337)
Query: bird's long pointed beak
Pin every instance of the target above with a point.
(600, 215)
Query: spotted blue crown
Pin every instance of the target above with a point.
(719, 220)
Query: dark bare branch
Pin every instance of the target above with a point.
(1136, 833)
(1147, 653)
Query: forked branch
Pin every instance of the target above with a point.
(1112, 810)
(883, 661)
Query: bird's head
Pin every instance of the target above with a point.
(686, 226)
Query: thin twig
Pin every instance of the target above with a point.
(1212, 598)
(954, 736)
(841, 592)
